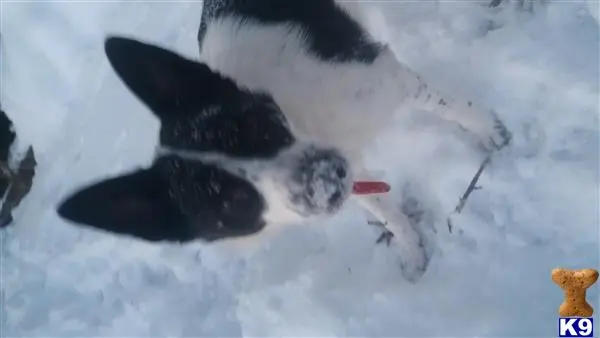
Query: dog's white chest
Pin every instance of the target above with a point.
(339, 104)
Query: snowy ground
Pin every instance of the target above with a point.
(538, 208)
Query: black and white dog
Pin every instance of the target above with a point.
(268, 128)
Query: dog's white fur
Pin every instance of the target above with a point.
(341, 105)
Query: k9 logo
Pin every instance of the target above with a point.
(576, 327)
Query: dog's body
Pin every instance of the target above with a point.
(285, 99)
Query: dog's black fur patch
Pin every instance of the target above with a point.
(7, 137)
(331, 34)
(199, 109)
(15, 183)
(174, 200)
(179, 199)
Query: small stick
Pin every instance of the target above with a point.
(472, 186)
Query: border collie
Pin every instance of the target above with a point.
(267, 127)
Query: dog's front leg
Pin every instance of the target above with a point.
(413, 257)
(482, 122)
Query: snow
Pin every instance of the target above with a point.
(538, 209)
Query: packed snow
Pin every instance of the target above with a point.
(538, 207)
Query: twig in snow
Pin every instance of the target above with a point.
(472, 186)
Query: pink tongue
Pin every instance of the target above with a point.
(370, 187)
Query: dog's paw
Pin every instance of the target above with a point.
(500, 137)
(413, 257)
(494, 136)
(385, 237)
(412, 210)
(413, 260)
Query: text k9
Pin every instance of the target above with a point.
(575, 327)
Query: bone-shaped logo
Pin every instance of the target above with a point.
(574, 284)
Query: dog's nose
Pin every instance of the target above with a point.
(335, 198)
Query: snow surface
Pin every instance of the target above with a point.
(538, 208)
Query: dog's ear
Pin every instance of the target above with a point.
(169, 84)
(135, 204)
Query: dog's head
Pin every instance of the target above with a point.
(229, 163)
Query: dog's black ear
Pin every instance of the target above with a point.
(135, 204)
(169, 84)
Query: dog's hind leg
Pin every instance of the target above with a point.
(413, 256)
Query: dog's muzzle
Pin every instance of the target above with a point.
(321, 181)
